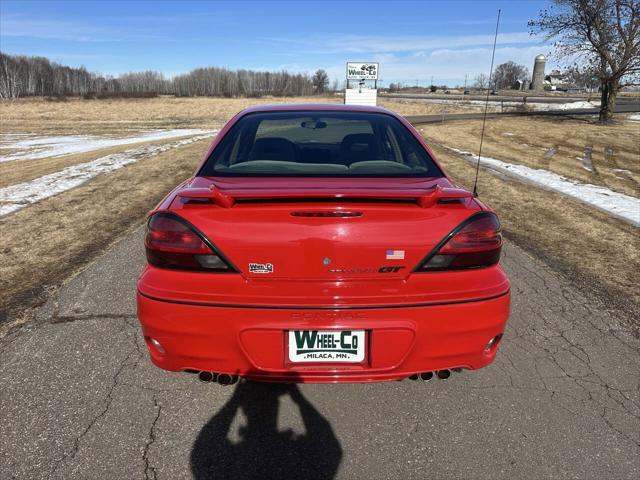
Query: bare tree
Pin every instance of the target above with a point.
(604, 35)
(481, 81)
(9, 83)
(507, 74)
(582, 77)
(320, 81)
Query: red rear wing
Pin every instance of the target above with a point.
(423, 198)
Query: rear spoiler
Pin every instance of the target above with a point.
(423, 198)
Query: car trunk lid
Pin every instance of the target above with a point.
(324, 229)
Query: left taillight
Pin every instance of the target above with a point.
(171, 242)
(476, 243)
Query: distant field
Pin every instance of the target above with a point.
(44, 242)
(116, 116)
(437, 106)
(122, 116)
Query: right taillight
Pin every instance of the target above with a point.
(171, 242)
(475, 243)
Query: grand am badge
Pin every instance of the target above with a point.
(260, 268)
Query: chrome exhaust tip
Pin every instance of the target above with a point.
(226, 379)
(415, 376)
(426, 376)
(205, 377)
(443, 374)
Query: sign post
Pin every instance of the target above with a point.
(362, 72)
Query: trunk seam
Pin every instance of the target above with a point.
(327, 307)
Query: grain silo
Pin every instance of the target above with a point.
(537, 80)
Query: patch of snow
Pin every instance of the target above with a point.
(635, 117)
(565, 106)
(509, 104)
(439, 101)
(15, 197)
(35, 147)
(509, 134)
(618, 204)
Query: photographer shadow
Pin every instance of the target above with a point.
(263, 451)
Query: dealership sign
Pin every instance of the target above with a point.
(362, 71)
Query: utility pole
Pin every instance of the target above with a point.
(465, 82)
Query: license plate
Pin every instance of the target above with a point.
(327, 346)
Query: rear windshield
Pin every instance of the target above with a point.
(324, 143)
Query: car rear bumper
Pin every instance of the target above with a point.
(250, 341)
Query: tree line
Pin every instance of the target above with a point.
(23, 76)
(505, 76)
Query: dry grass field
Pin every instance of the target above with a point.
(44, 243)
(556, 144)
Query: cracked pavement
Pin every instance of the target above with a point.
(80, 399)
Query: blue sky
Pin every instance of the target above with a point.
(411, 40)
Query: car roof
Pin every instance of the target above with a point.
(316, 107)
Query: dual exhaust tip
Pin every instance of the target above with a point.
(219, 378)
(428, 376)
(226, 379)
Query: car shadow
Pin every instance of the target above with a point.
(263, 451)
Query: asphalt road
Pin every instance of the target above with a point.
(80, 399)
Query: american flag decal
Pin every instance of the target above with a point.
(395, 254)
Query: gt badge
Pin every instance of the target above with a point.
(261, 268)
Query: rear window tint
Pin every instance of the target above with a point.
(320, 143)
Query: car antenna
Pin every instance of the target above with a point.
(486, 105)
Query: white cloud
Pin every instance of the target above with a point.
(445, 65)
(331, 44)
(449, 64)
(408, 58)
(56, 29)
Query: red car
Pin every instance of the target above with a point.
(321, 243)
